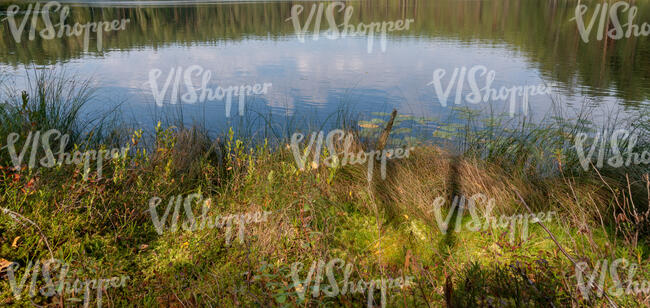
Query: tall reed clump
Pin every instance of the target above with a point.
(50, 100)
(547, 150)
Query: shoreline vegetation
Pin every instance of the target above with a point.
(102, 227)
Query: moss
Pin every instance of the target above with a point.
(102, 227)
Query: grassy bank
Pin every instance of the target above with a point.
(103, 227)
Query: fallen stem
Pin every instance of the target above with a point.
(15, 216)
(611, 302)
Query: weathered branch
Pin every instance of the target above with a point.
(384, 135)
(611, 302)
(17, 217)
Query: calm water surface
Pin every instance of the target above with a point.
(526, 42)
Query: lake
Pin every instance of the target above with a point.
(246, 45)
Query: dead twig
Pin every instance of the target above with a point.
(611, 302)
(17, 217)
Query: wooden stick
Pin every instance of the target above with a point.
(611, 302)
(17, 217)
(384, 135)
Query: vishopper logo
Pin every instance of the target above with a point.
(486, 93)
(50, 160)
(617, 31)
(615, 158)
(350, 30)
(485, 221)
(193, 95)
(633, 286)
(63, 286)
(191, 224)
(50, 31)
(334, 161)
(334, 288)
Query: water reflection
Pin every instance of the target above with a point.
(524, 41)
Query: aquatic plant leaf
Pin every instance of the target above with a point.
(402, 130)
(366, 124)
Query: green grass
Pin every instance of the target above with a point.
(102, 227)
